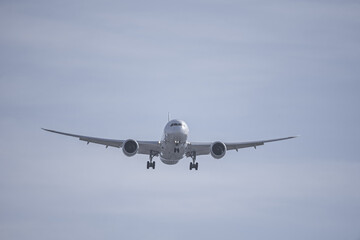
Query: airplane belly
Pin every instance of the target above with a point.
(169, 161)
(171, 153)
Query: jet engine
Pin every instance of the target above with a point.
(130, 147)
(218, 150)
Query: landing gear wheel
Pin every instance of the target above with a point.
(151, 163)
(193, 164)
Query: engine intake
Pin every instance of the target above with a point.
(218, 150)
(130, 147)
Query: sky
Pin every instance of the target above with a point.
(232, 70)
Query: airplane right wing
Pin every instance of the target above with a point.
(145, 147)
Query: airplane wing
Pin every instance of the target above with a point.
(204, 148)
(145, 147)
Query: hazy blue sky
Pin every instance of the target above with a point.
(233, 70)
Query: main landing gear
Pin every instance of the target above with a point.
(194, 164)
(151, 163)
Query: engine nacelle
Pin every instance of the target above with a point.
(218, 150)
(130, 147)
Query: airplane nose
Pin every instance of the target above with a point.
(177, 130)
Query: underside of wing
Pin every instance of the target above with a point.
(145, 147)
(236, 146)
(205, 148)
(103, 141)
(198, 148)
(149, 147)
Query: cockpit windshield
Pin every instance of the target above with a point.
(175, 124)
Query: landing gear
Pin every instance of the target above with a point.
(193, 164)
(151, 163)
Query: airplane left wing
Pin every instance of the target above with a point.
(145, 147)
(236, 146)
(204, 148)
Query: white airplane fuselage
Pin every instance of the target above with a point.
(174, 142)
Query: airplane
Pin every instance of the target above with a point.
(173, 146)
